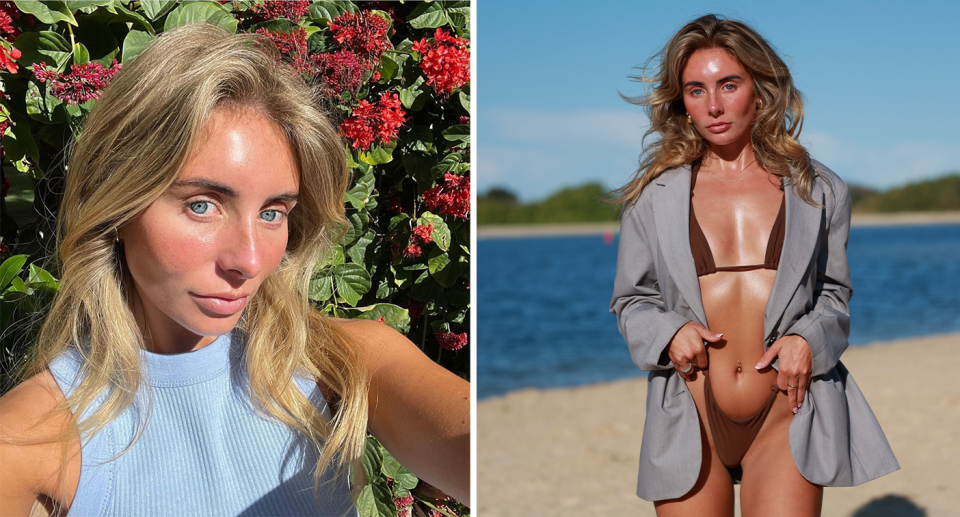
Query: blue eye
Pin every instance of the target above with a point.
(730, 85)
(273, 215)
(199, 207)
(696, 92)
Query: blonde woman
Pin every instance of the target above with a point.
(732, 288)
(182, 369)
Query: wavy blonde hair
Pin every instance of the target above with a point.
(134, 144)
(776, 125)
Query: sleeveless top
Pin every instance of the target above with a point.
(205, 450)
(703, 256)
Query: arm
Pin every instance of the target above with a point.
(827, 326)
(418, 410)
(645, 324)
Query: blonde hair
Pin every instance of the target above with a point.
(134, 143)
(776, 125)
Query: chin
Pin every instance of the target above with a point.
(204, 325)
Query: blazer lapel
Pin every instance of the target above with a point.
(671, 211)
(799, 241)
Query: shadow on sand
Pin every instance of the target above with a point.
(890, 506)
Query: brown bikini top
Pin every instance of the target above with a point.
(703, 256)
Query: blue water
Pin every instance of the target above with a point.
(542, 303)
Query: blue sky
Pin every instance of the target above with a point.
(881, 81)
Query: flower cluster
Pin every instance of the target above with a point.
(292, 10)
(415, 309)
(84, 82)
(451, 341)
(8, 59)
(342, 71)
(9, 13)
(445, 61)
(404, 505)
(364, 33)
(418, 235)
(370, 122)
(293, 43)
(450, 197)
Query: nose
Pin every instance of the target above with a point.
(241, 251)
(715, 106)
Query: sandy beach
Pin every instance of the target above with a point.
(506, 231)
(574, 451)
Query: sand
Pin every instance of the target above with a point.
(507, 231)
(574, 451)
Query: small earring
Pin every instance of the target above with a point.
(689, 119)
(759, 104)
(116, 236)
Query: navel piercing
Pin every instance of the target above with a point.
(738, 367)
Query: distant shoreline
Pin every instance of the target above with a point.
(508, 231)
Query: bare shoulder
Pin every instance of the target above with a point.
(376, 341)
(29, 410)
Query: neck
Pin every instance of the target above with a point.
(733, 157)
(161, 335)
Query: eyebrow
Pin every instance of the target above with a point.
(722, 80)
(227, 191)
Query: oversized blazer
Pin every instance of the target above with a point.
(835, 439)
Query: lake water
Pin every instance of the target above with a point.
(543, 318)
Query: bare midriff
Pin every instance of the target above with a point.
(734, 302)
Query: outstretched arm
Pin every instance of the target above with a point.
(418, 410)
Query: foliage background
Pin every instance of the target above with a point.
(399, 262)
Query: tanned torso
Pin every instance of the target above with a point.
(736, 219)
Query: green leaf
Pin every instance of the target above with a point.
(372, 460)
(419, 165)
(428, 16)
(394, 316)
(389, 67)
(352, 281)
(156, 8)
(425, 288)
(459, 133)
(134, 44)
(49, 11)
(41, 278)
(77, 5)
(367, 503)
(441, 232)
(358, 225)
(322, 13)
(194, 12)
(47, 46)
(358, 250)
(465, 100)
(401, 476)
(414, 96)
(99, 40)
(126, 15)
(10, 269)
(437, 260)
(80, 54)
(419, 138)
(378, 154)
(321, 287)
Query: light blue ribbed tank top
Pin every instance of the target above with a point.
(205, 450)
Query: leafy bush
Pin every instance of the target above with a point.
(398, 75)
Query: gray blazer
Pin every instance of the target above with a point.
(834, 437)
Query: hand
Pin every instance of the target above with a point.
(796, 363)
(687, 348)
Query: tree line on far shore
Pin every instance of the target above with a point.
(586, 203)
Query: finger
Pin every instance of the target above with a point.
(712, 337)
(782, 381)
(768, 358)
(792, 394)
(801, 392)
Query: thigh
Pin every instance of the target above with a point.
(712, 494)
(771, 483)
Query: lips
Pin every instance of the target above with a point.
(719, 127)
(224, 304)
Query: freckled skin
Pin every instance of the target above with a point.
(732, 101)
(196, 240)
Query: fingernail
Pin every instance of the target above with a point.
(720, 334)
(794, 411)
(759, 365)
(798, 405)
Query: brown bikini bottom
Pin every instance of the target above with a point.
(733, 436)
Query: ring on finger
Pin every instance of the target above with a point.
(792, 386)
(688, 368)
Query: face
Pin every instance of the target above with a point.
(199, 252)
(718, 94)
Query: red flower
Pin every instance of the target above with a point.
(364, 33)
(415, 309)
(422, 233)
(412, 251)
(84, 82)
(290, 43)
(404, 505)
(451, 341)
(451, 197)
(8, 58)
(369, 122)
(341, 71)
(291, 10)
(445, 61)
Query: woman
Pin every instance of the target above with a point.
(204, 187)
(732, 289)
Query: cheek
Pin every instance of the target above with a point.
(163, 253)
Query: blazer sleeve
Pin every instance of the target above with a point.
(826, 327)
(645, 323)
